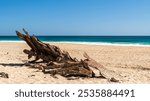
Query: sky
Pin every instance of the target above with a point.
(75, 17)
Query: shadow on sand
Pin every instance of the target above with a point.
(14, 64)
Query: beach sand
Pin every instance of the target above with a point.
(131, 63)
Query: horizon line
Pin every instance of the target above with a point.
(78, 35)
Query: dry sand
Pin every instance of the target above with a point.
(130, 62)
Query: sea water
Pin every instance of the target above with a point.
(93, 40)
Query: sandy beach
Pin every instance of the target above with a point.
(132, 63)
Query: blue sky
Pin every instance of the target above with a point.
(75, 17)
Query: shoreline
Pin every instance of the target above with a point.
(86, 43)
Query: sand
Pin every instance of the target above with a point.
(132, 63)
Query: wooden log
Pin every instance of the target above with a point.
(40, 48)
(60, 62)
(27, 39)
(71, 71)
(4, 75)
(106, 73)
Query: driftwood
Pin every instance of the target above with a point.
(56, 61)
(4, 75)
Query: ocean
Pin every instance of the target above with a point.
(102, 40)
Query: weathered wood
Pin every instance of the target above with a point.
(56, 61)
(4, 75)
(102, 70)
(71, 71)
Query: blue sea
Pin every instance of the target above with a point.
(102, 40)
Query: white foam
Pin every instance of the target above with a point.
(88, 43)
(103, 43)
